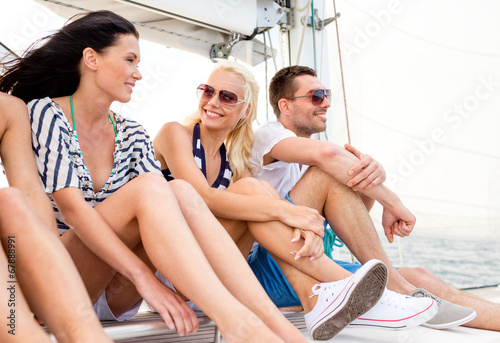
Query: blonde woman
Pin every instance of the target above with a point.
(219, 136)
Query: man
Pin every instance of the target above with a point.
(327, 177)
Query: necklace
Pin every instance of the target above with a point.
(116, 158)
(73, 117)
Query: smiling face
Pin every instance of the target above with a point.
(117, 70)
(306, 118)
(212, 113)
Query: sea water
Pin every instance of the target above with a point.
(461, 263)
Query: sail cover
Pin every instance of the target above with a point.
(183, 25)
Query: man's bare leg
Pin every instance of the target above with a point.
(487, 311)
(348, 217)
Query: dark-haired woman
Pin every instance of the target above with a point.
(119, 218)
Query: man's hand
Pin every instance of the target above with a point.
(397, 221)
(367, 173)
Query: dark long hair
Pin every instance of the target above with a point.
(53, 68)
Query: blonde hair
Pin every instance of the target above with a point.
(239, 141)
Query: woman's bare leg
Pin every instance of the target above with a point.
(21, 327)
(488, 312)
(149, 212)
(46, 274)
(276, 237)
(230, 265)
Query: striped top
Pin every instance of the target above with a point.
(225, 173)
(60, 164)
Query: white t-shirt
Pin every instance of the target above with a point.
(281, 175)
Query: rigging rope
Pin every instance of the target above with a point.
(272, 51)
(304, 26)
(313, 34)
(321, 54)
(303, 8)
(345, 100)
(275, 67)
(342, 76)
(265, 70)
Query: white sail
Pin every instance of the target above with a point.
(423, 88)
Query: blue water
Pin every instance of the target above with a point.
(464, 264)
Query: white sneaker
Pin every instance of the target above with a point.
(395, 311)
(449, 315)
(341, 302)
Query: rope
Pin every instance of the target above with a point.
(303, 8)
(342, 75)
(272, 50)
(320, 68)
(322, 45)
(345, 100)
(313, 34)
(303, 32)
(283, 45)
(265, 71)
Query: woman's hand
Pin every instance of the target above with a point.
(313, 245)
(303, 218)
(171, 307)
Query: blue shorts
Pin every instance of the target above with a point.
(272, 279)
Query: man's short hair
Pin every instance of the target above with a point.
(283, 84)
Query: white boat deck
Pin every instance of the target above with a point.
(148, 327)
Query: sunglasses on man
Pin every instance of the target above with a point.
(317, 96)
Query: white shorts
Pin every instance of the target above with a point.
(104, 313)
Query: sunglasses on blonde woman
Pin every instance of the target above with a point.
(227, 98)
(317, 96)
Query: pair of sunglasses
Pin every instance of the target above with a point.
(317, 96)
(227, 99)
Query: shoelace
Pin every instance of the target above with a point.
(393, 299)
(315, 290)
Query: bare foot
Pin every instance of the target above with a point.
(286, 330)
(249, 330)
(279, 324)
